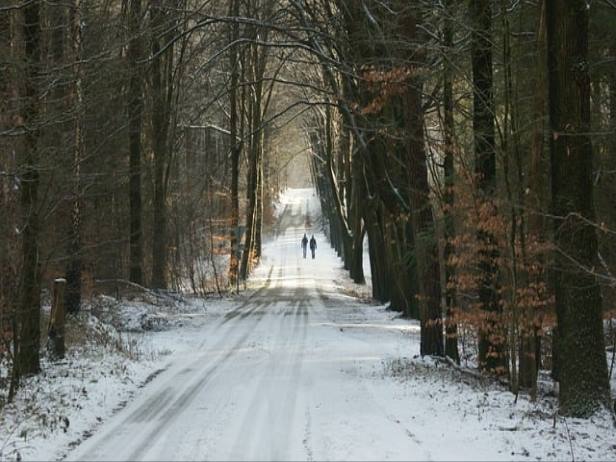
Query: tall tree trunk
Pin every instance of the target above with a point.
(72, 297)
(258, 62)
(451, 327)
(260, 198)
(612, 90)
(584, 385)
(529, 357)
(491, 355)
(343, 240)
(160, 130)
(135, 115)
(359, 229)
(234, 6)
(422, 220)
(28, 361)
(355, 192)
(252, 189)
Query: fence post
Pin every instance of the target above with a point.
(55, 331)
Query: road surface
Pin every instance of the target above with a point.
(274, 378)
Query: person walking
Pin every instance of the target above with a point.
(313, 245)
(304, 244)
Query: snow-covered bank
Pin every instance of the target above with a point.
(68, 399)
(460, 418)
(450, 414)
(114, 348)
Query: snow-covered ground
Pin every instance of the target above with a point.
(54, 410)
(299, 369)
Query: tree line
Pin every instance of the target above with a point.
(472, 143)
(133, 138)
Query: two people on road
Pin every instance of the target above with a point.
(313, 245)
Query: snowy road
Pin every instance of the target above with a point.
(274, 378)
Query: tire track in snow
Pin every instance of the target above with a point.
(240, 309)
(264, 431)
(180, 404)
(258, 311)
(295, 361)
(260, 407)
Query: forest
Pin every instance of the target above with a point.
(466, 149)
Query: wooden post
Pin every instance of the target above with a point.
(55, 331)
